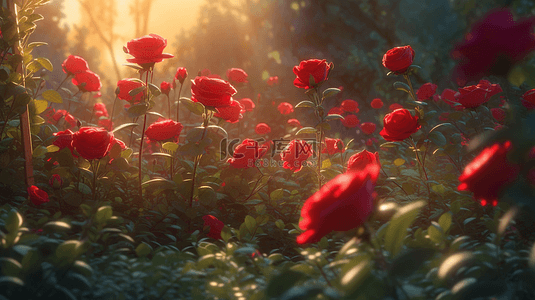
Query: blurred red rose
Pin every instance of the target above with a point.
(528, 99)
(247, 153)
(236, 75)
(74, 64)
(336, 111)
(247, 103)
(498, 114)
(262, 128)
(274, 80)
(100, 110)
(426, 91)
(398, 59)
(92, 142)
(55, 181)
(232, 113)
(212, 91)
(475, 95)
(493, 46)
(106, 124)
(376, 103)
(395, 106)
(333, 146)
(181, 74)
(360, 160)
(147, 49)
(215, 226)
(37, 195)
(119, 142)
(350, 105)
(127, 85)
(64, 139)
(319, 69)
(450, 97)
(285, 108)
(295, 154)
(165, 87)
(341, 204)
(489, 172)
(350, 121)
(368, 127)
(164, 130)
(399, 125)
(68, 117)
(87, 81)
(294, 122)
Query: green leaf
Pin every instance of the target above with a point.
(280, 224)
(445, 221)
(330, 92)
(143, 249)
(13, 221)
(52, 96)
(276, 195)
(104, 213)
(82, 268)
(170, 146)
(452, 263)
(32, 45)
(160, 183)
(311, 81)
(195, 107)
(56, 226)
(305, 103)
(531, 258)
(352, 279)
(136, 91)
(250, 222)
(437, 138)
(468, 220)
(279, 284)
(45, 63)
(9, 282)
(137, 110)
(39, 106)
(506, 220)
(153, 113)
(226, 234)
(68, 250)
(154, 89)
(409, 262)
(9, 266)
(435, 232)
(207, 195)
(333, 117)
(397, 229)
(398, 85)
(306, 130)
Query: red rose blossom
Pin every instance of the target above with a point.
(232, 113)
(489, 172)
(181, 74)
(368, 127)
(211, 91)
(319, 69)
(215, 226)
(426, 91)
(450, 97)
(398, 59)
(341, 204)
(127, 85)
(262, 128)
(498, 114)
(295, 154)
(236, 75)
(87, 81)
(475, 95)
(247, 103)
(147, 49)
(165, 87)
(360, 160)
(376, 103)
(399, 125)
(74, 64)
(64, 139)
(164, 130)
(37, 195)
(294, 122)
(247, 153)
(350, 105)
(394, 106)
(100, 110)
(528, 99)
(285, 108)
(333, 146)
(92, 142)
(350, 121)
(274, 80)
(55, 181)
(336, 111)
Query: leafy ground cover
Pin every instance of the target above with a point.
(184, 190)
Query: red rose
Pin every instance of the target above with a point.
(181, 74)
(147, 49)
(360, 160)
(247, 103)
(127, 85)
(394, 106)
(262, 128)
(426, 91)
(399, 125)
(294, 122)
(74, 64)
(64, 139)
(493, 46)
(498, 114)
(368, 127)
(215, 226)
(341, 204)
(106, 124)
(273, 81)
(528, 99)
(232, 113)
(398, 59)
(92, 142)
(37, 195)
(333, 146)
(55, 181)
(246, 154)
(489, 173)
(87, 81)
(319, 69)
(211, 91)
(350, 105)
(350, 121)
(165, 87)
(236, 75)
(100, 110)
(336, 111)
(450, 97)
(68, 117)
(475, 95)
(164, 130)
(285, 108)
(119, 142)
(295, 154)
(376, 103)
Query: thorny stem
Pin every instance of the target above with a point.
(413, 96)
(140, 156)
(398, 185)
(178, 103)
(421, 164)
(198, 157)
